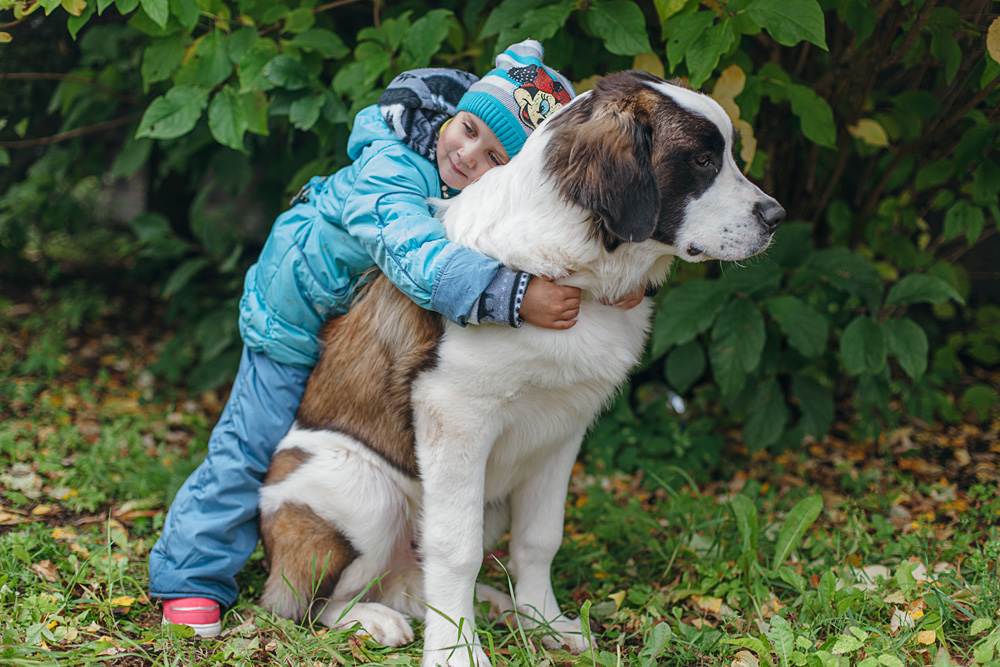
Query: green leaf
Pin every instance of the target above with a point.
(158, 10)
(227, 118)
(704, 53)
(161, 58)
(251, 67)
(846, 271)
(209, 65)
(102, 5)
(425, 36)
(815, 115)
(287, 72)
(934, 174)
(747, 523)
(183, 275)
(683, 32)
(539, 23)
(239, 43)
(4, 157)
(908, 343)
(621, 25)
(768, 416)
(964, 217)
(798, 521)
(945, 48)
(186, 12)
(507, 15)
(255, 111)
(125, 7)
(921, 288)
(304, 111)
(806, 329)
(685, 311)
(816, 404)
(790, 22)
(986, 182)
(782, 638)
(659, 637)
(133, 155)
(981, 399)
(322, 41)
(299, 20)
(980, 625)
(685, 364)
(846, 644)
(862, 347)
(741, 325)
(174, 114)
(75, 23)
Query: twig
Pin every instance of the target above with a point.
(61, 76)
(317, 10)
(70, 134)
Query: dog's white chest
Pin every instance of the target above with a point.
(535, 389)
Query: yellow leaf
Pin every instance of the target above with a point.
(707, 603)
(748, 143)
(61, 533)
(926, 637)
(869, 131)
(649, 62)
(123, 601)
(42, 510)
(618, 597)
(74, 7)
(730, 83)
(667, 8)
(584, 85)
(993, 40)
(5, 38)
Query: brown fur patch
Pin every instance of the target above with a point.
(285, 463)
(303, 551)
(361, 385)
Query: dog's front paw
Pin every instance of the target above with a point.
(448, 649)
(473, 656)
(384, 625)
(566, 632)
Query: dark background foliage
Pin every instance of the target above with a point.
(146, 145)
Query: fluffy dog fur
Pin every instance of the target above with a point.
(415, 431)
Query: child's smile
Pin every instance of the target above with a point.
(467, 149)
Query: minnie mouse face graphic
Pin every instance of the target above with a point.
(539, 94)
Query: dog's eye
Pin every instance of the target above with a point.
(704, 160)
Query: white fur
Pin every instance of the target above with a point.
(500, 418)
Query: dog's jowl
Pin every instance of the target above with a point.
(420, 442)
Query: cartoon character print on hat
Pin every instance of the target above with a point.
(539, 94)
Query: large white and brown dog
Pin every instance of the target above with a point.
(419, 443)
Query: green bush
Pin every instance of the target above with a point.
(174, 130)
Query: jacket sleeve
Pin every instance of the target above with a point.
(387, 212)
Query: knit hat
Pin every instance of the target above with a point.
(518, 95)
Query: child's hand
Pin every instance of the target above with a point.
(630, 301)
(549, 305)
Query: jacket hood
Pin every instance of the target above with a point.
(369, 127)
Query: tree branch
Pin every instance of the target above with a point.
(70, 134)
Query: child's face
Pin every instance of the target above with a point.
(467, 149)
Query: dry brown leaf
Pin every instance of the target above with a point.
(926, 637)
(745, 659)
(46, 570)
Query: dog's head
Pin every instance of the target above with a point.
(654, 160)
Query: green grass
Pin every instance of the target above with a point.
(667, 572)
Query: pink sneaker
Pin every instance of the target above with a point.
(201, 614)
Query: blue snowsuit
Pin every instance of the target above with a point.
(370, 214)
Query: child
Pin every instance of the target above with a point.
(434, 132)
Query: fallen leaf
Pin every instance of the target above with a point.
(926, 637)
(710, 604)
(46, 570)
(618, 597)
(900, 619)
(42, 510)
(123, 601)
(745, 659)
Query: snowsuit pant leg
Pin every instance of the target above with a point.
(212, 528)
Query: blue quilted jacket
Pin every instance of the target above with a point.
(372, 213)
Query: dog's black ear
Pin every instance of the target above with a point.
(600, 156)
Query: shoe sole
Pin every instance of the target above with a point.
(206, 630)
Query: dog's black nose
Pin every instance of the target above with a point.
(770, 213)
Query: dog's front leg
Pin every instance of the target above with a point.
(452, 469)
(537, 513)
